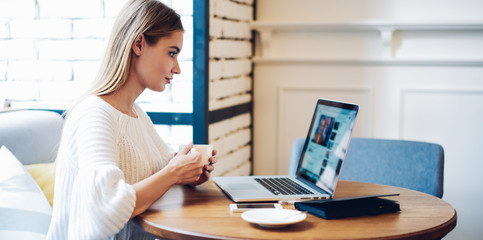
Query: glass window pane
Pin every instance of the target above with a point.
(175, 135)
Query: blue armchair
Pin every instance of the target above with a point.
(401, 163)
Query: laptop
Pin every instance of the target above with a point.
(319, 166)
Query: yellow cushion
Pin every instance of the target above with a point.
(44, 175)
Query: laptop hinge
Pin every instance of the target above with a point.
(317, 188)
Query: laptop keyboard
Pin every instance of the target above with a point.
(284, 186)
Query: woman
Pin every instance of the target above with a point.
(112, 165)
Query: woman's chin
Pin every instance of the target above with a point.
(158, 89)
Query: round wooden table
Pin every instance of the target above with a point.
(203, 213)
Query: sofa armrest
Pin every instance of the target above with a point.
(33, 136)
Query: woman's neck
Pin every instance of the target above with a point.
(123, 99)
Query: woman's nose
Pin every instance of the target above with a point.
(176, 69)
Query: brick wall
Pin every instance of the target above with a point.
(50, 51)
(231, 83)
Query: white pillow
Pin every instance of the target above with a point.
(24, 209)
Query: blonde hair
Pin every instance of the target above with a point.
(151, 18)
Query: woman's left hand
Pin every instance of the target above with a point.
(207, 169)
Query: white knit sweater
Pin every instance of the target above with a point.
(101, 153)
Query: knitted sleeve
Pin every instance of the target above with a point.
(101, 202)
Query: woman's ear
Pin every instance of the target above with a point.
(138, 45)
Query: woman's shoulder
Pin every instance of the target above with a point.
(92, 102)
(93, 106)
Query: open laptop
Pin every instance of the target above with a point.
(319, 166)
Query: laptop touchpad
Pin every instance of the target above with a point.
(241, 186)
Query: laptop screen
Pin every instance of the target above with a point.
(326, 144)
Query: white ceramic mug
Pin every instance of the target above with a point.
(205, 150)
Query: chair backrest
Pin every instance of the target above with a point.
(401, 163)
(33, 136)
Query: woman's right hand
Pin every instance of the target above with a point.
(186, 167)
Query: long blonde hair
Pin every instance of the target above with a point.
(151, 18)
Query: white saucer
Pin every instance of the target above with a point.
(273, 218)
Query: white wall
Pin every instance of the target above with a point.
(415, 67)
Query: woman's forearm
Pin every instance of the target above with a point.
(151, 189)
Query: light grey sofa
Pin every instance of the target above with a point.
(31, 135)
(26, 137)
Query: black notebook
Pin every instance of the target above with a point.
(349, 207)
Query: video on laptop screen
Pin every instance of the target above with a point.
(329, 137)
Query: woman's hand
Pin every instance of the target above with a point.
(186, 167)
(207, 169)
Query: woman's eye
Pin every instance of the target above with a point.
(172, 54)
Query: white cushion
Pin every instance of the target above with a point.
(24, 209)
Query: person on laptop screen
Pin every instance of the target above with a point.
(325, 127)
